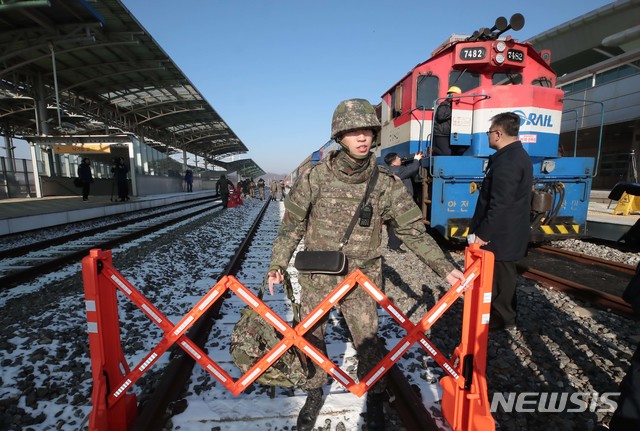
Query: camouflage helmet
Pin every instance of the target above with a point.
(353, 114)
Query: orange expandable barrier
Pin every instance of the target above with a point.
(465, 402)
(465, 398)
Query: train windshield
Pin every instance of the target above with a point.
(427, 91)
(506, 78)
(464, 79)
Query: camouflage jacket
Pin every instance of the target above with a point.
(322, 202)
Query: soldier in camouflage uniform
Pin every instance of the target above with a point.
(281, 189)
(319, 208)
(273, 185)
(252, 188)
(261, 189)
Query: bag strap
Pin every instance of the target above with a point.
(356, 215)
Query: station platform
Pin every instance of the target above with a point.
(19, 215)
(602, 222)
(24, 214)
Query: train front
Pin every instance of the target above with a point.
(495, 75)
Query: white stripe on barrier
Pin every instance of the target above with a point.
(186, 323)
(466, 283)
(335, 297)
(92, 327)
(146, 363)
(249, 300)
(272, 357)
(312, 353)
(90, 305)
(312, 321)
(429, 347)
(188, 348)
(246, 381)
(395, 312)
(209, 299)
(122, 388)
(451, 371)
(275, 322)
(375, 376)
(152, 313)
(338, 375)
(220, 377)
(120, 283)
(401, 351)
(375, 293)
(438, 312)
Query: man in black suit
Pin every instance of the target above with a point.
(501, 221)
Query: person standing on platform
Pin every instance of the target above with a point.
(442, 125)
(406, 172)
(119, 171)
(222, 189)
(188, 179)
(261, 189)
(501, 221)
(85, 175)
(319, 207)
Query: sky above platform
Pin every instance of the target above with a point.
(275, 70)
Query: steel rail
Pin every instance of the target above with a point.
(33, 271)
(152, 414)
(61, 239)
(586, 291)
(178, 371)
(590, 260)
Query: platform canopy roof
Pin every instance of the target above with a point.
(247, 168)
(91, 68)
(609, 32)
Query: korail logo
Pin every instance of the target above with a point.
(533, 119)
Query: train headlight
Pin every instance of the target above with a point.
(500, 58)
(500, 46)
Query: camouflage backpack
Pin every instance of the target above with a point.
(252, 337)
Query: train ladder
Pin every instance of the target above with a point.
(465, 399)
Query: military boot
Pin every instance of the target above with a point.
(309, 412)
(375, 412)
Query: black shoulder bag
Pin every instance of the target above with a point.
(335, 262)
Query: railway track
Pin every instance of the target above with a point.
(179, 395)
(592, 279)
(16, 245)
(26, 262)
(173, 269)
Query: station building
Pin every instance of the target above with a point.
(596, 57)
(84, 79)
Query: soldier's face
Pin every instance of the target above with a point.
(358, 142)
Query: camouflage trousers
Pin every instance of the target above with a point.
(360, 313)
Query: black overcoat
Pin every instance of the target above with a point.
(502, 214)
(406, 172)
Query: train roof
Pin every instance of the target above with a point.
(455, 39)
